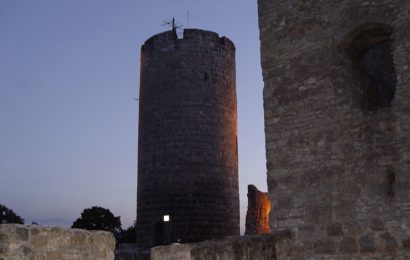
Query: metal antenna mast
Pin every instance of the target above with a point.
(188, 19)
(171, 23)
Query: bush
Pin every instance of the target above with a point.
(7, 216)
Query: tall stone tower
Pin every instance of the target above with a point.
(337, 124)
(187, 148)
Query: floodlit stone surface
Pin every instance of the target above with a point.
(337, 108)
(37, 242)
(257, 216)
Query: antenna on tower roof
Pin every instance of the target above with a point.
(188, 19)
(171, 23)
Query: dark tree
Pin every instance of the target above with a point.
(8, 216)
(98, 218)
(128, 235)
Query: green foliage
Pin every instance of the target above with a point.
(128, 235)
(7, 216)
(98, 218)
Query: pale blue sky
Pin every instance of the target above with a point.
(69, 73)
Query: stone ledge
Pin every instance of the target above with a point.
(267, 246)
(38, 242)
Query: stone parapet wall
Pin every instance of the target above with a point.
(128, 251)
(282, 245)
(252, 247)
(37, 242)
(369, 245)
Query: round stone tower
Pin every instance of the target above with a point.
(187, 143)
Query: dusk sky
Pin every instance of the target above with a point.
(69, 73)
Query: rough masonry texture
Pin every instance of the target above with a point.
(257, 215)
(51, 243)
(131, 252)
(187, 148)
(337, 124)
(253, 247)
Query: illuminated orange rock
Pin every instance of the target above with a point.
(257, 216)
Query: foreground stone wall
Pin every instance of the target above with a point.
(131, 252)
(252, 247)
(37, 242)
(338, 165)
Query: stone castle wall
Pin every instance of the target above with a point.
(252, 247)
(37, 242)
(187, 154)
(338, 167)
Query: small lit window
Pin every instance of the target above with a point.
(166, 218)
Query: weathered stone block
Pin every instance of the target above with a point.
(58, 255)
(387, 242)
(335, 229)
(22, 233)
(78, 240)
(348, 245)
(376, 224)
(367, 244)
(3, 248)
(406, 243)
(40, 241)
(36, 242)
(26, 252)
(324, 246)
(35, 231)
